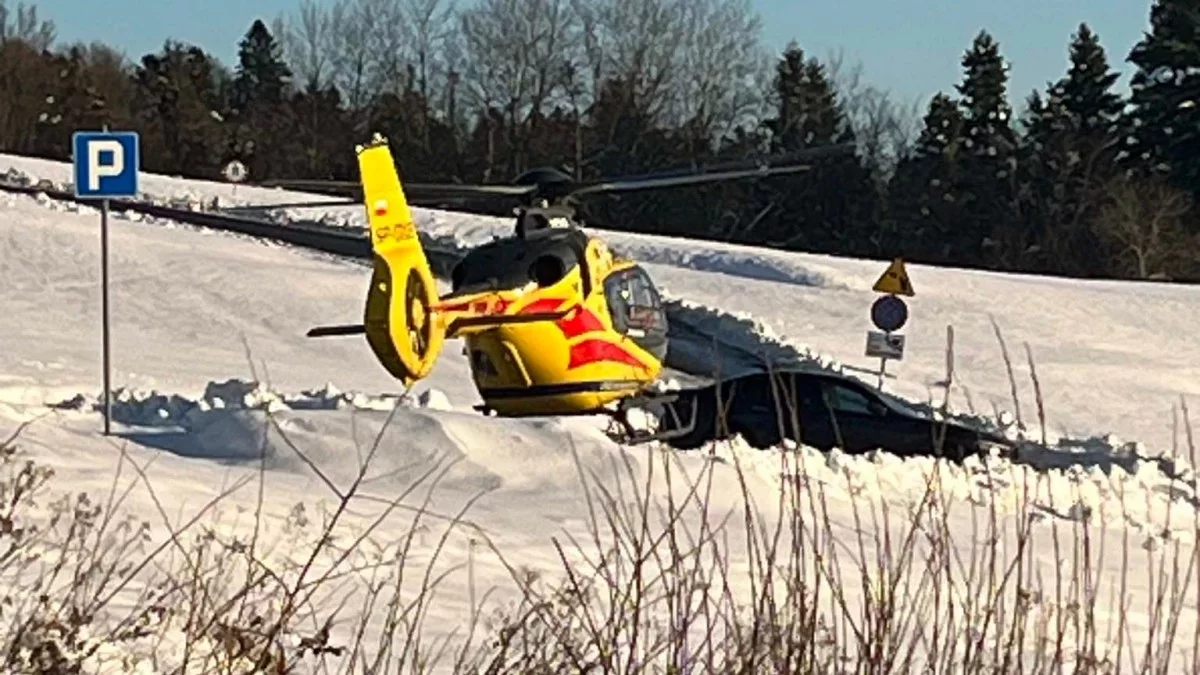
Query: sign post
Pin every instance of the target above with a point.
(889, 314)
(106, 166)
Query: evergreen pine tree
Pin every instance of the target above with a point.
(1068, 150)
(807, 111)
(262, 128)
(987, 130)
(262, 74)
(988, 149)
(1087, 90)
(831, 208)
(177, 93)
(622, 139)
(320, 117)
(925, 207)
(1047, 120)
(789, 85)
(1165, 115)
(1044, 162)
(941, 133)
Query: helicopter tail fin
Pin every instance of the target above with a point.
(400, 324)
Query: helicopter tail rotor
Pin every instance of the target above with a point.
(400, 323)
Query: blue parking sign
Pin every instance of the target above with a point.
(106, 164)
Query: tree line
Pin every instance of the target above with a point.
(1083, 182)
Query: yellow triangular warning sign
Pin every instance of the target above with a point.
(895, 280)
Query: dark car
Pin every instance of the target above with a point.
(833, 411)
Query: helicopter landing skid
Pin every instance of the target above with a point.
(631, 435)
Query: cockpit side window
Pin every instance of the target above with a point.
(634, 302)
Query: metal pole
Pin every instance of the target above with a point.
(882, 371)
(104, 325)
(104, 316)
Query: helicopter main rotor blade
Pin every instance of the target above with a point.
(436, 190)
(784, 159)
(302, 184)
(415, 190)
(293, 205)
(555, 186)
(693, 179)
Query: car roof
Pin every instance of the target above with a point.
(814, 375)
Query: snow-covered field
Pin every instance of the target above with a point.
(193, 310)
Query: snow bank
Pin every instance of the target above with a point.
(239, 421)
(243, 422)
(151, 408)
(229, 422)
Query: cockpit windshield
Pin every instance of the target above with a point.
(637, 309)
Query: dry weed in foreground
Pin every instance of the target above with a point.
(800, 581)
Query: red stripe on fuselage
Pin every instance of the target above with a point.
(579, 322)
(542, 305)
(497, 305)
(595, 351)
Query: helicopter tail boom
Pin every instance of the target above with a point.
(467, 325)
(483, 311)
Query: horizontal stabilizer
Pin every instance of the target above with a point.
(456, 326)
(332, 331)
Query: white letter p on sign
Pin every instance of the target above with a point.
(96, 170)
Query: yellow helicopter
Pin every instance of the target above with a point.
(554, 322)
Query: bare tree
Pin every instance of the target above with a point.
(24, 25)
(431, 26)
(388, 38)
(349, 52)
(884, 128)
(697, 62)
(681, 60)
(307, 45)
(24, 75)
(721, 70)
(637, 41)
(370, 47)
(1144, 222)
(515, 54)
(516, 49)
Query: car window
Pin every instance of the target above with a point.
(845, 399)
(901, 406)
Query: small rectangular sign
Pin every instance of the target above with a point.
(885, 345)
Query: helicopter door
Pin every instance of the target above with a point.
(636, 309)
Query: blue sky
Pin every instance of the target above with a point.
(911, 47)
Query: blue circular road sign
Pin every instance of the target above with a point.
(889, 313)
